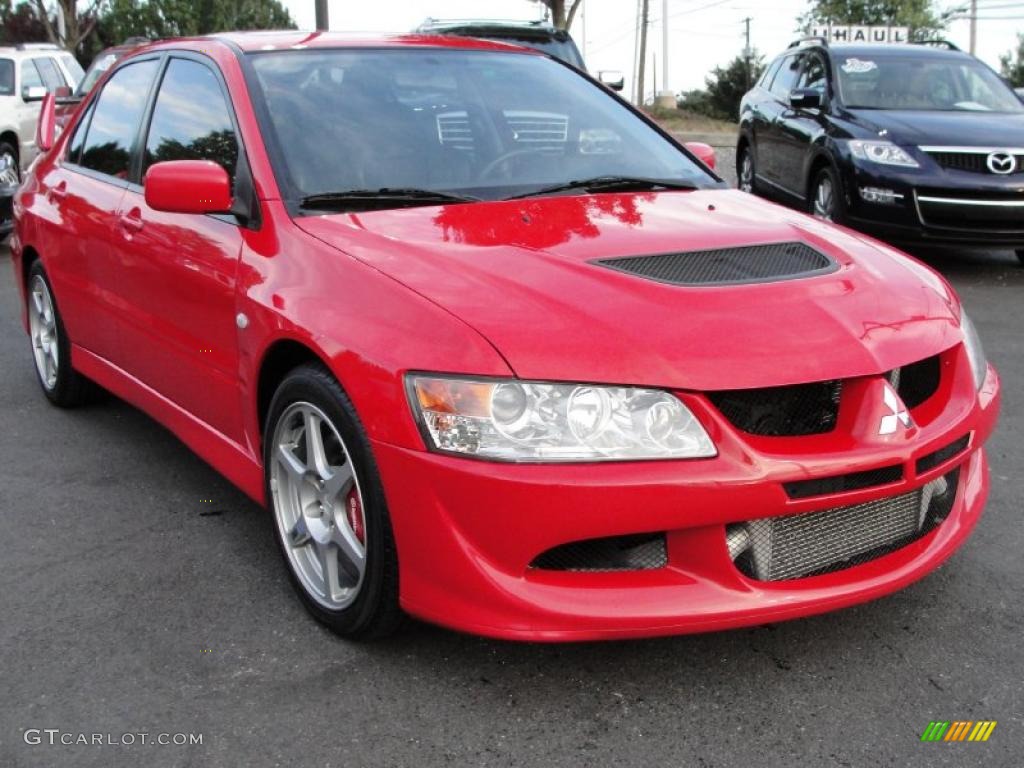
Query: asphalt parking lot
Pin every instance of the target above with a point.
(140, 592)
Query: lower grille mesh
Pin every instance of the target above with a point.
(810, 544)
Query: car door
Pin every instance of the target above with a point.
(797, 128)
(83, 191)
(177, 272)
(772, 109)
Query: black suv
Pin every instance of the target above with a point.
(530, 34)
(912, 143)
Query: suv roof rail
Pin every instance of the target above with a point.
(432, 22)
(817, 39)
(32, 46)
(938, 43)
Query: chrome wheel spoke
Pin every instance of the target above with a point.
(327, 556)
(296, 469)
(351, 551)
(338, 483)
(316, 454)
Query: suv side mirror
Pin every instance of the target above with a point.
(187, 186)
(612, 79)
(33, 93)
(805, 98)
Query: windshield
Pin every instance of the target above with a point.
(468, 123)
(100, 65)
(923, 83)
(6, 77)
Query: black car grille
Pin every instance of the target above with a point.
(814, 543)
(852, 481)
(728, 266)
(801, 409)
(640, 552)
(917, 382)
(941, 456)
(972, 162)
(997, 212)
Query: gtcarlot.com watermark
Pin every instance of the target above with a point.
(55, 737)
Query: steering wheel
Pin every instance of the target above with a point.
(492, 166)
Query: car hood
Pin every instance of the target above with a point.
(916, 128)
(523, 274)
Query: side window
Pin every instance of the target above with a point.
(191, 120)
(73, 68)
(6, 77)
(785, 79)
(30, 76)
(769, 74)
(115, 119)
(813, 75)
(52, 77)
(78, 139)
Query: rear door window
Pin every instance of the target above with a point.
(786, 78)
(769, 74)
(115, 120)
(52, 78)
(30, 77)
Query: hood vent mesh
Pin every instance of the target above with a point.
(728, 266)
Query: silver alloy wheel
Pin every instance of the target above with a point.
(747, 172)
(318, 506)
(824, 199)
(9, 176)
(43, 331)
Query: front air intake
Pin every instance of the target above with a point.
(728, 266)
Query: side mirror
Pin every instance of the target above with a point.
(805, 98)
(612, 79)
(704, 152)
(33, 93)
(188, 186)
(46, 133)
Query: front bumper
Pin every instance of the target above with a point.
(938, 206)
(468, 530)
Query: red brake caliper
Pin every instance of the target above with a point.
(354, 510)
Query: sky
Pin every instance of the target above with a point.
(702, 33)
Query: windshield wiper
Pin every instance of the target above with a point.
(609, 184)
(385, 197)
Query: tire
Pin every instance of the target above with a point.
(831, 207)
(51, 348)
(1020, 255)
(746, 179)
(329, 511)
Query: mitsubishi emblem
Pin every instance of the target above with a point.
(898, 413)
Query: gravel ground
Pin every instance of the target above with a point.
(129, 605)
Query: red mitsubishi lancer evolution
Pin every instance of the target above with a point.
(493, 349)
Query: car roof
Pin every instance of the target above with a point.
(298, 40)
(893, 49)
(491, 26)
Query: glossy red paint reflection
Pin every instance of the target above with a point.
(187, 186)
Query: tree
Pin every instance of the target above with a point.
(560, 16)
(78, 25)
(724, 88)
(1013, 64)
(20, 23)
(919, 15)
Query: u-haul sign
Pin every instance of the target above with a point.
(854, 34)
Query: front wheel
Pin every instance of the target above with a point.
(745, 171)
(827, 197)
(10, 173)
(328, 505)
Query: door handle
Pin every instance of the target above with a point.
(132, 222)
(58, 193)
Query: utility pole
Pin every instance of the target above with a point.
(974, 25)
(644, 11)
(322, 23)
(746, 51)
(666, 99)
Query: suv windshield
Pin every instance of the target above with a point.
(6, 77)
(562, 49)
(923, 83)
(472, 124)
(99, 65)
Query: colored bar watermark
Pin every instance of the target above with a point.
(958, 730)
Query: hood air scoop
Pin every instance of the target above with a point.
(728, 266)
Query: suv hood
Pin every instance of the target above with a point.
(522, 274)
(916, 128)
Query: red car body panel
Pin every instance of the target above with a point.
(507, 289)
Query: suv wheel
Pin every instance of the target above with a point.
(745, 170)
(826, 201)
(51, 348)
(328, 505)
(10, 173)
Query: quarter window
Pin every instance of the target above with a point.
(191, 120)
(115, 120)
(6, 77)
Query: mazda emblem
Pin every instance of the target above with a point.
(1002, 163)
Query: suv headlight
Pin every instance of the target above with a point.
(512, 420)
(975, 352)
(882, 152)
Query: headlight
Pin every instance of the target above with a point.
(975, 352)
(882, 152)
(512, 420)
